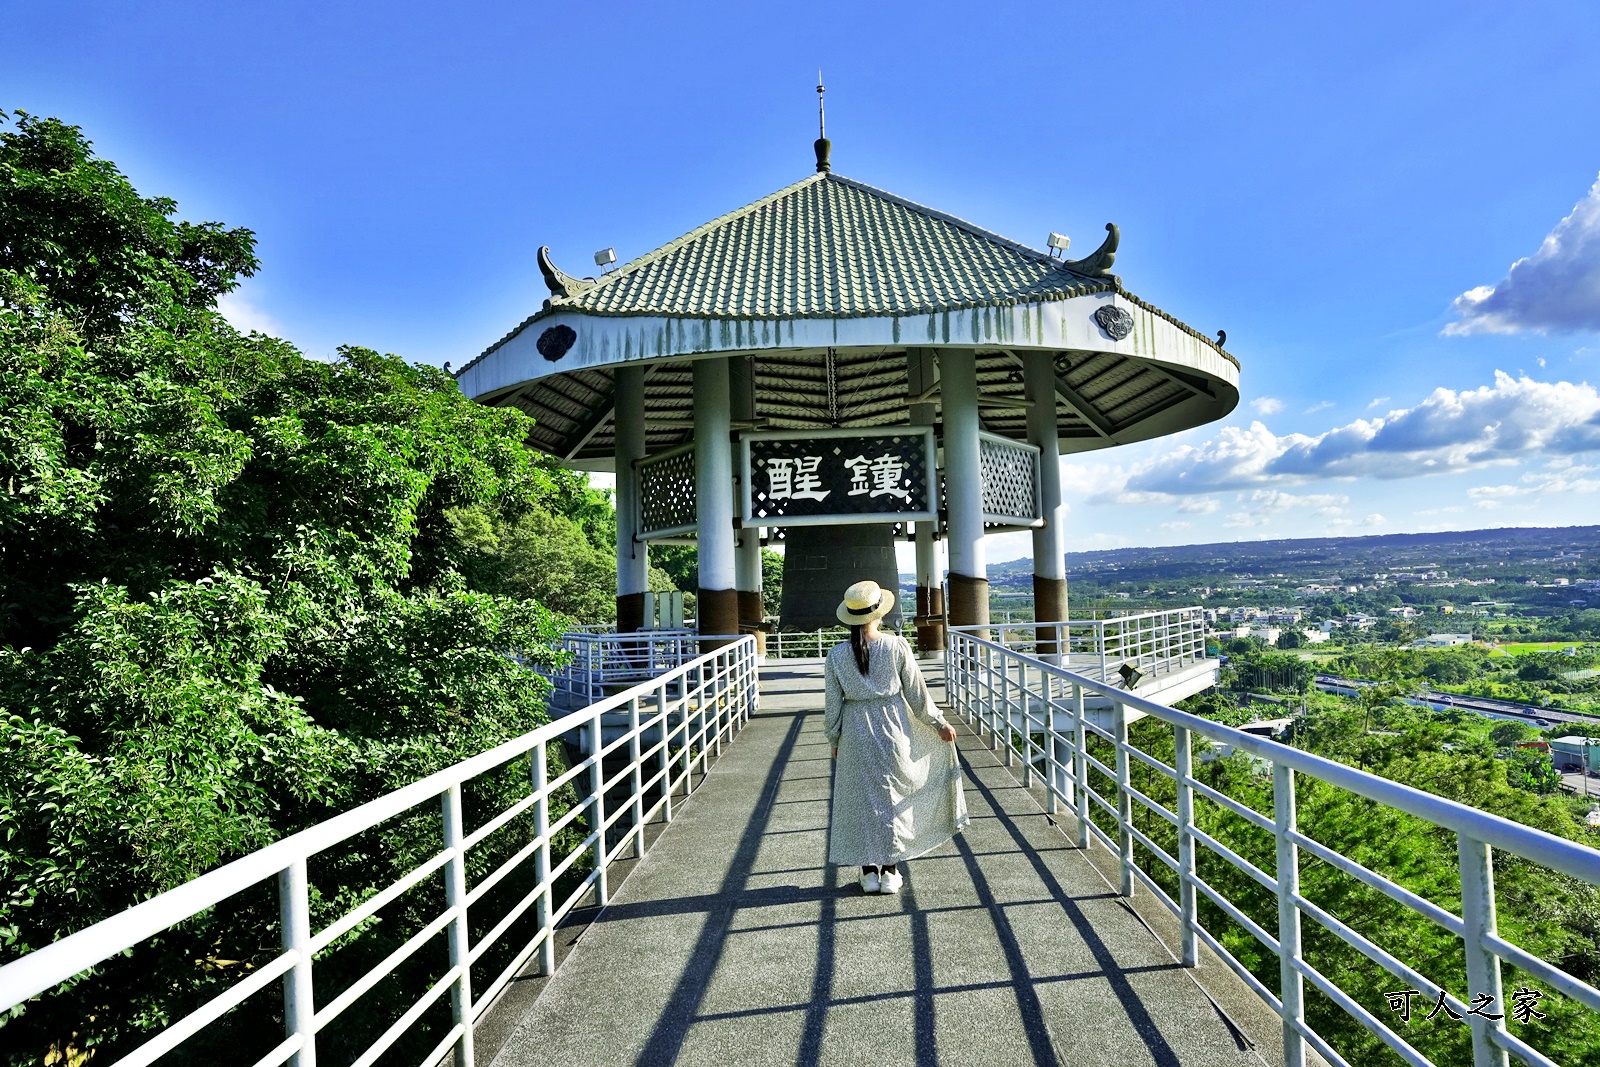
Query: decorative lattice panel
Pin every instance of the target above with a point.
(1010, 473)
(666, 494)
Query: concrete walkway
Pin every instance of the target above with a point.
(733, 942)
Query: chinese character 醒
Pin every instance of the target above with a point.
(795, 478)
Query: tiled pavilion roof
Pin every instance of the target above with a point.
(828, 247)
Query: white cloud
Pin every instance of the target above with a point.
(1266, 504)
(1558, 477)
(1267, 405)
(1488, 492)
(1321, 405)
(1557, 289)
(1501, 424)
(1176, 527)
(246, 317)
(1200, 505)
(1377, 401)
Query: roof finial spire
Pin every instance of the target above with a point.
(823, 145)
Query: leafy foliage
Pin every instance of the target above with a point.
(240, 590)
(1554, 916)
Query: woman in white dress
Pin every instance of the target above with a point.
(897, 782)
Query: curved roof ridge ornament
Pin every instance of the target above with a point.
(1097, 264)
(560, 282)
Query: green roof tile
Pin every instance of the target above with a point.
(830, 247)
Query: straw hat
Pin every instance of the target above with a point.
(864, 602)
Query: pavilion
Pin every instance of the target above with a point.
(834, 354)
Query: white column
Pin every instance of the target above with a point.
(969, 574)
(747, 554)
(921, 376)
(716, 602)
(1049, 540)
(633, 564)
(747, 562)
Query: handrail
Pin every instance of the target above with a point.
(602, 660)
(693, 707)
(1164, 639)
(1017, 698)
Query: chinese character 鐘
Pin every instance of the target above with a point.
(795, 478)
(886, 472)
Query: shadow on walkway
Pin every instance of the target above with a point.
(735, 942)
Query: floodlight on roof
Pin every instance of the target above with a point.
(605, 257)
(1059, 243)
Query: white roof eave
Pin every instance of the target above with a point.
(605, 341)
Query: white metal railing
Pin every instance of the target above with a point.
(1035, 709)
(1151, 641)
(804, 644)
(601, 662)
(807, 644)
(675, 723)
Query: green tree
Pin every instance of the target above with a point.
(238, 594)
(1538, 668)
(1448, 669)
(1530, 769)
(1509, 734)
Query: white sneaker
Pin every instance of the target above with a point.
(891, 882)
(869, 882)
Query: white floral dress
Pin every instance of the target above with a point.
(896, 786)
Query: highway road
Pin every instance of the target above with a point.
(1499, 709)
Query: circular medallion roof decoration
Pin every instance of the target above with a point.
(1113, 320)
(831, 290)
(554, 342)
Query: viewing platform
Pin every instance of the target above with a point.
(734, 941)
(664, 897)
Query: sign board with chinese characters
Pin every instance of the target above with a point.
(821, 477)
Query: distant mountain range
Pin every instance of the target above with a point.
(1572, 548)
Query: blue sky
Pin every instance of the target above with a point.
(1344, 189)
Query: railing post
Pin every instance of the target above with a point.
(1291, 984)
(1008, 707)
(714, 723)
(1100, 642)
(541, 858)
(459, 934)
(597, 789)
(666, 751)
(638, 778)
(1024, 712)
(1119, 730)
(1183, 764)
(752, 684)
(1483, 966)
(688, 735)
(988, 698)
(299, 1006)
(1080, 768)
(1053, 746)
